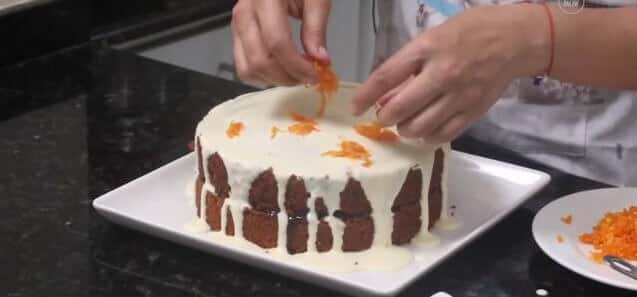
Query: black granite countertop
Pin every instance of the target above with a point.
(79, 123)
(30, 28)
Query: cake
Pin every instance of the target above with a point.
(271, 172)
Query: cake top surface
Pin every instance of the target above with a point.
(278, 128)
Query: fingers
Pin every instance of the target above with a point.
(451, 129)
(389, 75)
(314, 27)
(276, 33)
(255, 67)
(415, 96)
(428, 119)
(391, 94)
(241, 63)
(254, 58)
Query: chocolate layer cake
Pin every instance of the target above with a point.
(284, 192)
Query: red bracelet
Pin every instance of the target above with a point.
(549, 16)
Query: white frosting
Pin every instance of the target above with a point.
(254, 151)
(390, 258)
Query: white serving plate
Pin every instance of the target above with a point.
(483, 191)
(587, 208)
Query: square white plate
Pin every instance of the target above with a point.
(483, 191)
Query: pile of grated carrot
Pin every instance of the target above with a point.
(615, 234)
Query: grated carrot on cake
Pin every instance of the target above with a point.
(351, 150)
(274, 131)
(376, 131)
(567, 219)
(234, 129)
(615, 234)
(302, 126)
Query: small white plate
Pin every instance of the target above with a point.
(586, 209)
(483, 191)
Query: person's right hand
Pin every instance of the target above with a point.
(264, 51)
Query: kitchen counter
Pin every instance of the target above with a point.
(79, 123)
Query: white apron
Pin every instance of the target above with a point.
(584, 131)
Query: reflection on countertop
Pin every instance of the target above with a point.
(11, 6)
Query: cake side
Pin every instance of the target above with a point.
(308, 224)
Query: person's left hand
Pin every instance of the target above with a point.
(447, 77)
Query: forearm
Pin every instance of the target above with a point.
(596, 47)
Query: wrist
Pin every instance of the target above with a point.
(532, 45)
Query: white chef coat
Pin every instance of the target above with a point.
(584, 131)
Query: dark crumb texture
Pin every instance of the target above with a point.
(296, 197)
(411, 190)
(407, 224)
(264, 192)
(260, 228)
(435, 189)
(199, 159)
(198, 187)
(229, 222)
(406, 208)
(320, 208)
(324, 237)
(218, 175)
(213, 211)
(354, 202)
(358, 234)
(297, 233)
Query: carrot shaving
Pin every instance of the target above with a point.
(567, 219)
(376, 131)
(351, 150)
(615, 234)
(297, 117)
(275, 131)
(302, 126)
(560, 239)
(234, 129)
(327, 86)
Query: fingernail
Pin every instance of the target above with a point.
(377, 108)
(322, 52)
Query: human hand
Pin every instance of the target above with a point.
(264, 51)
(446, 78)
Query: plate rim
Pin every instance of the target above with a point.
(100, 204)
(547, 250)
